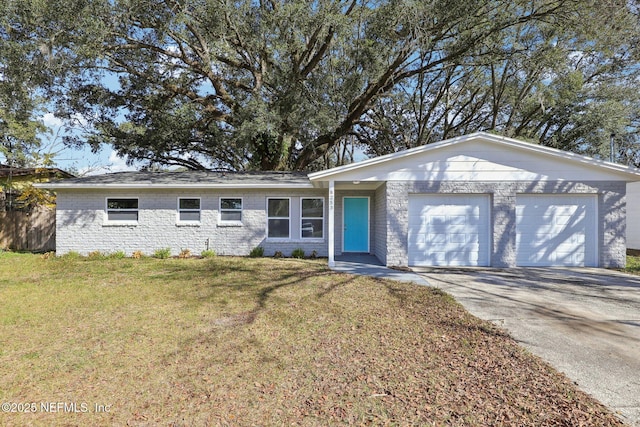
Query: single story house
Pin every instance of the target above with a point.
(474, 200)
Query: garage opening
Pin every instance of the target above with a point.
(449, 230)
(556, 230)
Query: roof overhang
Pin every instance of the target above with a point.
(184, 180)
(181, 186)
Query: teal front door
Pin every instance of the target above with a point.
(356, 224)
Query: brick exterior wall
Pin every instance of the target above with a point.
(80, 223)
(80, 220)
(380, 226)
(611, 215)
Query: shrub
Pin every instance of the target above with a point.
(298, 253)
(314, 254)
(117, 255)
(208, 253)
(257, 252)
(278, 254)
(163, 253)
(96, 255)
(137, 255)
(72, 255)
(185, 253)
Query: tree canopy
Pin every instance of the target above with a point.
(296, 84)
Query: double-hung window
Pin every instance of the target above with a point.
(188, 209)
(230, 210)
(122, 209)
(312, 218)
(278, 218)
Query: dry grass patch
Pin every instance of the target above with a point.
(239, 341)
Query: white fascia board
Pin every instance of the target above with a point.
(60, 186)
(614, 167)
(632, 174)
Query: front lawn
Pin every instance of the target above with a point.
(240, 341)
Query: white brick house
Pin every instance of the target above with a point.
(478, 199)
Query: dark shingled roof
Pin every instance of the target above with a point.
(54, 173)
(189, 179)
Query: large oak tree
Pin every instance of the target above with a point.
(276, 84)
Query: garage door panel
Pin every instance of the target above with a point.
(580, 258)
(439, 238)
(437, 258)
(459, 238)
(458, 220)
(567, 219)
(556, 230)
(448, 230)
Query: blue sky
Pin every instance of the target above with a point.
(83, 160)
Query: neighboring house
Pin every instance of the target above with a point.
(13, 181)
(27, 219)
(475, 200)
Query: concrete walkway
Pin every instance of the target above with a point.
(369, 265)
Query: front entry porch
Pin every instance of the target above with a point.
(353, 210)
(370, 265)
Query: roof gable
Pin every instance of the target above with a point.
(480, 157)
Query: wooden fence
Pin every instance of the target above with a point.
(33, 231)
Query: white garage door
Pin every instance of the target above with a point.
(449, 230)
(556, 230)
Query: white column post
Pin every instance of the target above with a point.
(331, 223)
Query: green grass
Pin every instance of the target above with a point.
(257, 341)
(633, 264)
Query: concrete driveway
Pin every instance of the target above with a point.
(584, 322)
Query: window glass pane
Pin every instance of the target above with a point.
(231, 204)
(190, 204)
(278, 208)
(190, 216)
(312, 208)
(279, 228)
(231, 216)
(312, 228)
(122, 203)
(123, 216)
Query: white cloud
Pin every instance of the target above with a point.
(119, 164)
(51, 121)
(79, 119)
(115, 164)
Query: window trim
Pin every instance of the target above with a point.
(109, 221)
(302, 218)
(278, 217)
(232, 222)
(179, 210)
